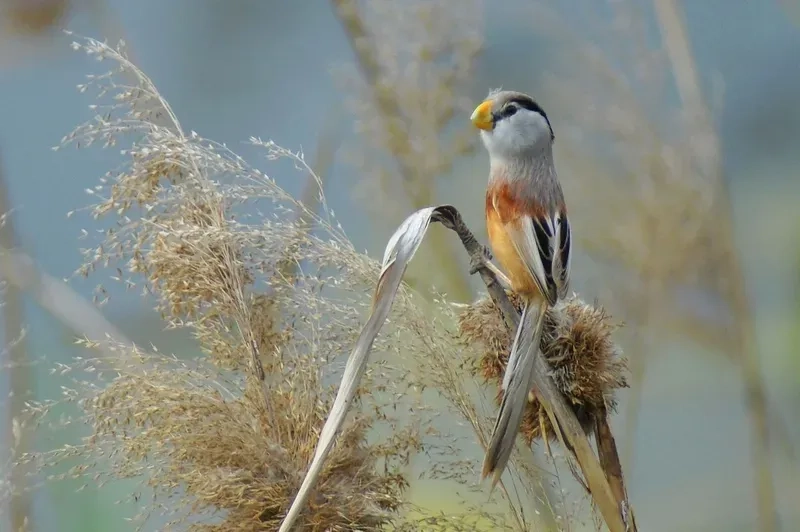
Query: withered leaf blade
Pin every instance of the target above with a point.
(400, 249)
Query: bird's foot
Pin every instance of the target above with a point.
(479, 259)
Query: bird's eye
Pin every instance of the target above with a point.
(510, 110)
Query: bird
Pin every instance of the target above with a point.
(530, 236)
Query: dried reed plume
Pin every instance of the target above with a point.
(227, 436)
(245, 453)
(587, 365)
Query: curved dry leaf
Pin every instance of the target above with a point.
(400, 249)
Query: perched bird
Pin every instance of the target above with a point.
(529, 234)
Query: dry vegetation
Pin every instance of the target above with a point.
(241, 448)
(234, 431)
(222, 441)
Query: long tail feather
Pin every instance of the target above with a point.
(517, 382)
(513, 356)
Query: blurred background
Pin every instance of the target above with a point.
(677, 134)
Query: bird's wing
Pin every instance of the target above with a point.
(544, 243)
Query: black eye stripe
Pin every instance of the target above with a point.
(530, 105)
(509, 110)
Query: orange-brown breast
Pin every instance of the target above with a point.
(503, 209)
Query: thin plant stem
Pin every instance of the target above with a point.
(20, 381)
(678, 47)
(328, 144)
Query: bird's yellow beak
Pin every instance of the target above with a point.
(482, 116)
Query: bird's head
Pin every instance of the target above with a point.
(512, 124)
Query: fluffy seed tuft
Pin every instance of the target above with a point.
(587, 365)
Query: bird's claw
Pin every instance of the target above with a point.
(479, 260)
